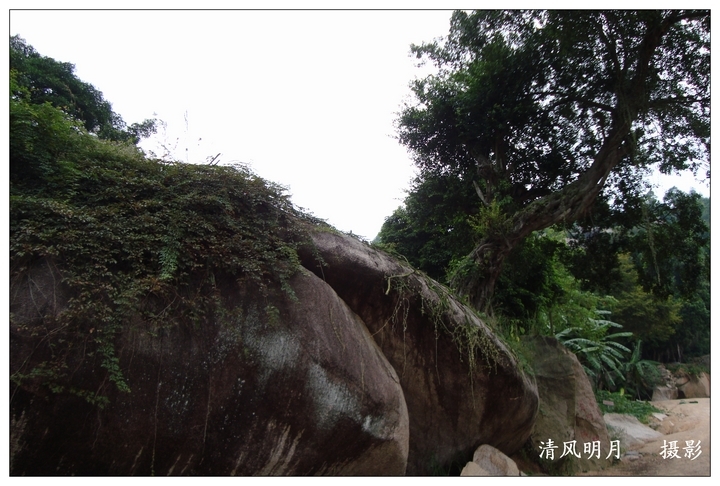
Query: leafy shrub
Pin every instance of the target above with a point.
(622, 404)
(132, 236)
(599, 353)
(690, 369)
(641, 376)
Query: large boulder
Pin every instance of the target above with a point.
(294, 385)
(692, 386)
(682, 384)
(629, 430)
(666, 389)
(332, 375)
(568, 409)
(462, 386)
(661, 393)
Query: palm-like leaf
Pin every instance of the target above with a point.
(600, 354)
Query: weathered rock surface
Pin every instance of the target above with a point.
(693, 386)
(462, 386)
(664, 392)
(666, 388)
(681, 384)
(495, 462)
(568, 410)
(629, 430)
(304, 392)
(373, 369)
(472, 469)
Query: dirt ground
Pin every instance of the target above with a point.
(687, 420)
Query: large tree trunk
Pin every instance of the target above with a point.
(572, 202)
(564, 206)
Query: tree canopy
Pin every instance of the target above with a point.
(46, 80)
(542, 113)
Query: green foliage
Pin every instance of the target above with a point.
(49, 81)
(622, 404)
(641, 376)
(533, 280)
(690, 369)
(692, 334)
(592, 254)
(525, 97)
(542, 112)
(599, 353)
(42, 136)
(135, 242)
(651, 319)
(672, 247)
(432, 227)
(490, 219)
(654, 259)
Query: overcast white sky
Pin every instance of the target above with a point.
(306, 98)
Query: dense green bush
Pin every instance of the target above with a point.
(622, 404)
(640, 376)
(600, 354)
(131, 236)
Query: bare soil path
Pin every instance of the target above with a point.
(687, 420)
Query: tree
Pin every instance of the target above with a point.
(669, 242)
(650, 318)
(49, 81)
(433, 227)
(672, 246)
(545, 111)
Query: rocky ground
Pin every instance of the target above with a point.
(687, 420)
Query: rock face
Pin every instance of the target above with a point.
(668, 390)
(568, 410)
(630, 431)
(472, 469)
(664, 393)
(463, 388)
(693, 386)
(364, 368)
(681, 385)
(494, 462)
(306, 391)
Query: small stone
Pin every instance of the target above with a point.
(495, 462)
(472, 469)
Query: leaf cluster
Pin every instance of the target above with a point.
(600, 353)
(641, 376)
(651, 318)
(134, 241)
(523, 101)
(672, 245)
(433, 226)
(46, 80)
